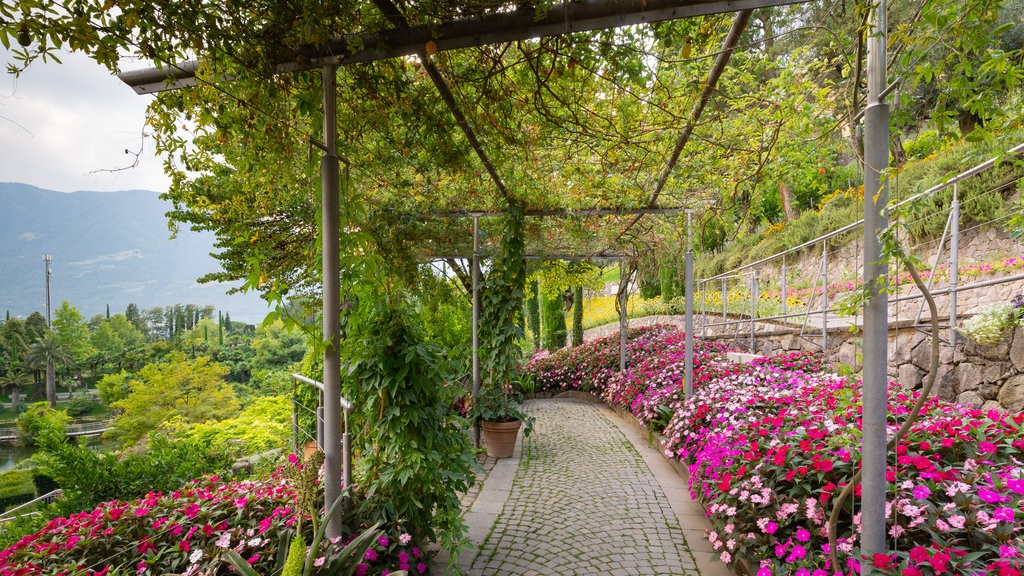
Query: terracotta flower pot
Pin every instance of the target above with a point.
(500, 437)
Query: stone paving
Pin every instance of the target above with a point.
(580, 497)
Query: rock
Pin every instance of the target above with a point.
(909, 376)
(1011, 396)
(990, 391)
(997, 352)
(968, 377)
(848, 354)
(921, 355)
(993, 373)
(972, 398)
(991, 405)
(945, 354)
(1017, 349)
(945, 382)
(904, 345)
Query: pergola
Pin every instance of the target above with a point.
(402, 39)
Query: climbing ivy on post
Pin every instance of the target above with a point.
(501, 305)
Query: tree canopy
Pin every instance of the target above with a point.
(575, 122)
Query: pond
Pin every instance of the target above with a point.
(11, 454)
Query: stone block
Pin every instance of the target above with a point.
(904, 345)
(1017, 349)
(1011, 395)
(945, 382)
(972, 398)
(968, 377)
(848, 354)
(994, 373)
(991, 405)
(990, 391)
(945, 354)
(909, 376)
(921, 355)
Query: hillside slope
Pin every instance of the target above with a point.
(108, 248)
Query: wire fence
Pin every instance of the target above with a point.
(815, 287)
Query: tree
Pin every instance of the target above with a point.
(185, 390)
(533, 312)
(71, 331)
(47, 354)
(134, 316)
(553, 322)
(577, 316)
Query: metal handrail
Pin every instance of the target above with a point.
(346, 440)
(48, 498)
(1018, 149)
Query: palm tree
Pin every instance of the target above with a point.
(49, 352)
(15, 378)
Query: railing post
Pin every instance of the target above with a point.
(703, 310)
(753, 310)
(954, 262)
(824, 295)
(724, 302)
(784, 287)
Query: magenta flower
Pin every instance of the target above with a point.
(1003, 514)
(990, 496)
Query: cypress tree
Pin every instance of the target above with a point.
(577, 316)
(533, 313)
(553, 319)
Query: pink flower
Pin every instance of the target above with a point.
(990, 496)
(1003, 514)
(803, 535)
(405, 538)
(921, 492)
(383, 540)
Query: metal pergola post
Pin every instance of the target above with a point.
(331, 235)
(688, 374)
(876, 345)
(476, 320)
(954, 261)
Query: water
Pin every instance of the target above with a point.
(11, 455)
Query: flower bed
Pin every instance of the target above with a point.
(769, 445)
(188, 532)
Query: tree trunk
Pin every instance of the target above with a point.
(51, 383)
(787, 202)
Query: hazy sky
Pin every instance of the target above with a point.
(63, 126)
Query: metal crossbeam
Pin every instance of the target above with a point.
(521, 24)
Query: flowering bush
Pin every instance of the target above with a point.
(189, 531)
(770, 443)
(768, 448)
(988, 326)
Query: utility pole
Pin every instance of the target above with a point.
(47, 258)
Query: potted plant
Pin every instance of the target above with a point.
(498, 410)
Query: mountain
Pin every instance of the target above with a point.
(108, 248)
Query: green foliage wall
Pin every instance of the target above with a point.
(414, 456)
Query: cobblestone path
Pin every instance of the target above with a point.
(583, 501)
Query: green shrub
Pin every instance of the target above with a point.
(79, 407)
(16, 488)
(39, 418)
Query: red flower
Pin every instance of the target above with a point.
(882, 561)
